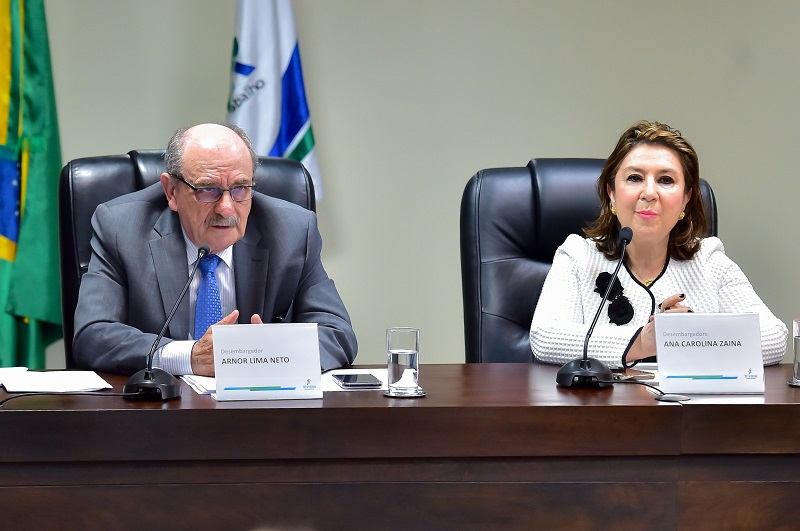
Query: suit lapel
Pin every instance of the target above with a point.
(250, 263)
(168, 252)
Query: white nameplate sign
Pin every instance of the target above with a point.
(709, 353)
(267, 361)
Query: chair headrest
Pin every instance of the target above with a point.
(565, 200)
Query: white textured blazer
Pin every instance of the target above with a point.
(711, 281)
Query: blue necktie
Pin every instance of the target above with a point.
(208, 309)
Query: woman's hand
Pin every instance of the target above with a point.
(645, 344)
(673, 304)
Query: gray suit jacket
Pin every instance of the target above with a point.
(138, 268)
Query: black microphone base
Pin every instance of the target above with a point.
(588, 372)
(154, 384)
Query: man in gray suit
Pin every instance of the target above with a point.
(145, 243)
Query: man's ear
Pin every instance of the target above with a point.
(169, 190)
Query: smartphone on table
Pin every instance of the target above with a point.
(357, 381)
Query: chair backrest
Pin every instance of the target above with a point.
(512, 222)
(85, 183)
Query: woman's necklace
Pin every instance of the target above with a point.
(647, 280)
(641, 279)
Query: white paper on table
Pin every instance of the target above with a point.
(725, 399)
(202, 385)
(53, 381)
(10, 370)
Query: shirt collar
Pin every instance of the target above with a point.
(191, 252)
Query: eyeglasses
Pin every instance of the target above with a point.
(213, 194)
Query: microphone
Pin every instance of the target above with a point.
(586, 371)
(157, 384)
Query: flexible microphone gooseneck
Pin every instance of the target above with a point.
(586, 371)
(157, 384)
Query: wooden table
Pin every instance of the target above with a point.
(492, 446)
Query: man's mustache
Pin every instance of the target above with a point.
(220, 221)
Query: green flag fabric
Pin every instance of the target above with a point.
(30, 161)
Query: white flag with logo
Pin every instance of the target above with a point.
(268, 98)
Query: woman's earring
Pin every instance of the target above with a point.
(682, 215)
(614, 210)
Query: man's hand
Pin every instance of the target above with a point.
(203, 349)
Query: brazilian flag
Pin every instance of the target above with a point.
(30, 161)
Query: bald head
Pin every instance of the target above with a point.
(207, 140)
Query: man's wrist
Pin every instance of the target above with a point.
(176, 357)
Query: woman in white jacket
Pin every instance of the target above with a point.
(650, 183)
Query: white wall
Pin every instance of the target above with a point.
(409, 99)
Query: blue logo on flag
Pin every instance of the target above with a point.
(240, 68)
(243, 69)
(249, 87)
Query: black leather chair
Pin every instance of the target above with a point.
(512, 222)
(87, 182)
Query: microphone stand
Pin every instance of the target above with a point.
(586, 371)
(158, 384)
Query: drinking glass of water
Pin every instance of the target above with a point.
(402, 347)
(796, 346)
